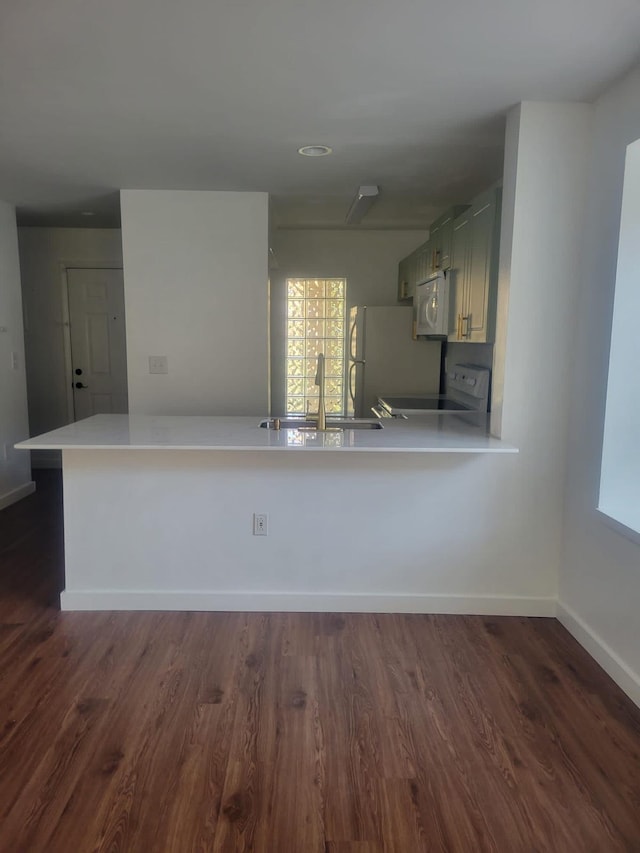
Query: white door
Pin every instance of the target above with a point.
(98, 344)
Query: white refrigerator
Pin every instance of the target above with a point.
(384, 359)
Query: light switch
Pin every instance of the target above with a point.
(14, 361)
(158, 364)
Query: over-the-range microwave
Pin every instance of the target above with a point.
(432, 306)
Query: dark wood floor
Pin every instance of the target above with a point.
(292, 732)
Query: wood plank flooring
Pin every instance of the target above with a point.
(297, 733)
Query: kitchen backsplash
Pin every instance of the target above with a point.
(480, 354)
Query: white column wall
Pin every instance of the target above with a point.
(600, 574)
(544, 192)
(15, 472)
(195, 278)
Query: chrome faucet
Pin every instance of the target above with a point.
(322, 414)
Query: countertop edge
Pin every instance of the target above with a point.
(505, 448)
(241, 434)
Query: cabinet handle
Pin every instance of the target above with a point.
(467, 320)
(459, 326)
(436, 259)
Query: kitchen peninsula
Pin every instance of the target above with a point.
(158, 513)
(427, 434)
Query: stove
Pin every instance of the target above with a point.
(399, 406)
(466, 390)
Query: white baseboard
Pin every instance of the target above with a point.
(613, 665)
(17, 494)
(117, 599)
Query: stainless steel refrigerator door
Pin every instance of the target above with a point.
(357, 325)
(355, 363)
(355, 383)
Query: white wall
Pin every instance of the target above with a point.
(44, 254)
(15, 473)
(195, 277)
(600, 575)
(347, 531)
(367, 259)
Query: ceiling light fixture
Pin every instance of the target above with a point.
(315, 150)
(88, 213)
(361, 204)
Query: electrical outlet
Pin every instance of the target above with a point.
(14, 361)
(260, 524)
(158, 364)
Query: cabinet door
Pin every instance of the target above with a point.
(482, 270)
(459, 274)
(403, 280)
(435, 249)
(423, 264)
(413, 259)
(441, 233)
(443, 257)
(446, 243)
(408, 276)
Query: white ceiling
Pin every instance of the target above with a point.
(219, 94)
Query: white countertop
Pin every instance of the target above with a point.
(424, 434)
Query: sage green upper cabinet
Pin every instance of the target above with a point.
(404, 277)
(474, 276)
(459, 273)
(431, 256)
(411, 270)
(423, 263)
(483, 282)
(440, 238)
(464, 240)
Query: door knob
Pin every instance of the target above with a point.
(78, 371)
(81, 385)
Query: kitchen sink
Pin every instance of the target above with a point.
(332, 424)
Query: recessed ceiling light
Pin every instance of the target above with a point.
(315, 150)
(88, 213)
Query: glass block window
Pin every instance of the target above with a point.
(315, 324)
